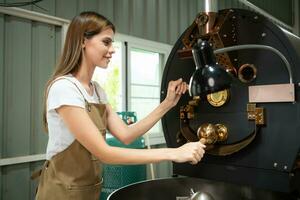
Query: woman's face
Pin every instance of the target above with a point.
(98, 50)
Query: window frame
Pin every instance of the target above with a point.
(129, 43)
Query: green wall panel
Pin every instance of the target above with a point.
(193, 11)
(45, 7)
(84, 5)
(27, 58)
(143, 18)
(151, 20)
(173, 21)
(105, 8)
(58, 43)
(16, 183)
(17, 83)
(66, 9)
(184, 16)
(43, 62)
(16, 105)
(137, 21)
(1, 92)
(32, 184)
(122, 15)
(162, 20)
(29, 7)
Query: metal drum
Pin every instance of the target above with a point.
(180, 189)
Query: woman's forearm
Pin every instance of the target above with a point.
(190, 152)
(141, 127)
(126, 156)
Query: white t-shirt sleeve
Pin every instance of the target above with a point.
(64, 92)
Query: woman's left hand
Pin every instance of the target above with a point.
(175, 90)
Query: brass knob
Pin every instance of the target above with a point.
(210, 134)
(222, 132)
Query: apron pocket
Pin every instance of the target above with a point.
(86, 192)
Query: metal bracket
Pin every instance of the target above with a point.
(186, 112)
(256, 113)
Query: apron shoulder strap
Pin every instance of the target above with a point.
(96, 86)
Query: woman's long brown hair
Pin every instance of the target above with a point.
(83, 26)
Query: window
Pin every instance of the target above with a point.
(145, 78)
(111, 78)
(133, 77)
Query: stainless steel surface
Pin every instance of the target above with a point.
(199, 195)
(179, 189)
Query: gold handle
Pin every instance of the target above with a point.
(210, 134)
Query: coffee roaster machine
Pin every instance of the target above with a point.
(252, 129)
(260, 116)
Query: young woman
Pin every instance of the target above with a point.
(77, 115)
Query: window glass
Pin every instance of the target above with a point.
(144, 67)
(144, 91)
(111, 78)
(143, 107)
(145, 84)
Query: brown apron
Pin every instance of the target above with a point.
(74, 173)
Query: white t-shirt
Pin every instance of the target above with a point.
(64, 92)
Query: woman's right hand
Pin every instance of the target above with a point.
(191, 152)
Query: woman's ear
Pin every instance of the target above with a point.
(84, 43)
